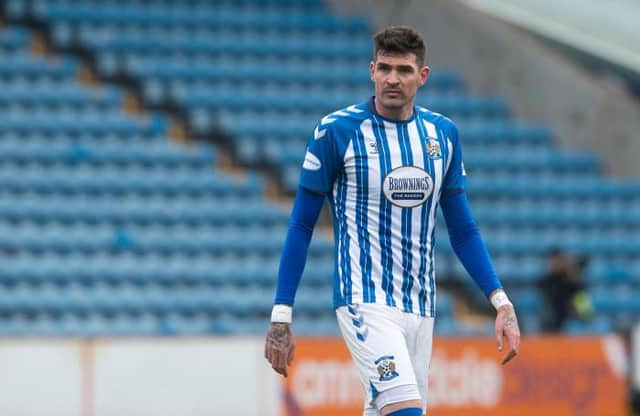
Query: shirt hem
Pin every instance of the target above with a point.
(337, 304)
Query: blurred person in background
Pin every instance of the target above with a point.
(385, 165)
(563, 290)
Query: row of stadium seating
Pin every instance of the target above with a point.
(71, 97)
(174, 269)
(27, 67)
(188, 4)
(130, 298)
(96, 325)
(92, 123)
(280, 18)
(156, 154)
(94, 239)
(247, 45)
(118, 180)
(155, 207)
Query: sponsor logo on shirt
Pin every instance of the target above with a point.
(311, 162)
(407, 186)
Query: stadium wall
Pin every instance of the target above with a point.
(587, 110)
(137, 377)
(229, 376)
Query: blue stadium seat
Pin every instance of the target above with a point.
(13, 39)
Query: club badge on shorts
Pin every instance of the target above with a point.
(386, 368)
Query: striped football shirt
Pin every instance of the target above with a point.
(384, 179)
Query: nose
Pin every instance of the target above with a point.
(392, 78)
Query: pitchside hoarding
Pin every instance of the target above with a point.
(229, 376)
(553, 375)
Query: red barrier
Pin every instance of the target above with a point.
(556, 375)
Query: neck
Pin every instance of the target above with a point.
(399, 114)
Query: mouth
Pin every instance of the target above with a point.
(393, 92)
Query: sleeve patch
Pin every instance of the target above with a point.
(311, 162)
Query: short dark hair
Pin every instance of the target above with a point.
(399, 40)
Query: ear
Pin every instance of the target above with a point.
(372, 67)
(424, 74)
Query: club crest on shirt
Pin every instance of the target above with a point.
(433, 149)
(407, 186)
(386, 368)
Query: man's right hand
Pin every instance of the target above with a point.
(279, 347)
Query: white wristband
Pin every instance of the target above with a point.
(500, 299)
(281, 313)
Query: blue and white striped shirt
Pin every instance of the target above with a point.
(384, 179)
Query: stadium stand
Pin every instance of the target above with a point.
(108, 228)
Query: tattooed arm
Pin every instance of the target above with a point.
(507, 327)
(279, 344)
(279, 347)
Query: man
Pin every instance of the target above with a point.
(384, 165)
(563, 290)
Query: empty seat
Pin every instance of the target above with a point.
(22, 66)
(13, 39)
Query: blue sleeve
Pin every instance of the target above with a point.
(467, 243)
(454, 180)
(321, 161)
(306, 210)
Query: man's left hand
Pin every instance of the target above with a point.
(507, 327)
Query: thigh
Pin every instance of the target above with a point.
(375, 336)
(419, 342)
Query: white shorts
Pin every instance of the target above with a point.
(391, 350)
